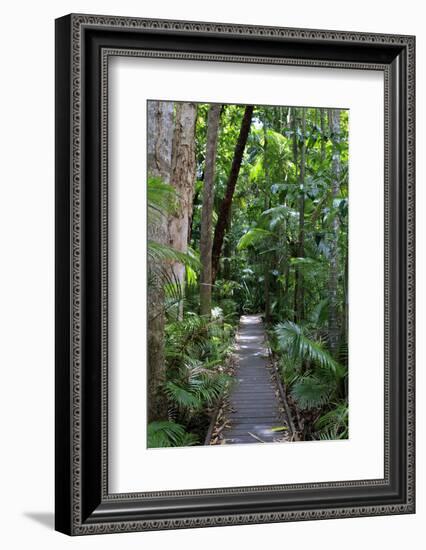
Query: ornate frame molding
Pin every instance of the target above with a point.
(73, 504)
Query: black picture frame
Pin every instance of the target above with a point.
(83, 45)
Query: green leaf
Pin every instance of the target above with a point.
(303, 261)
(336, 419)
(164, 433)
(164, 253)
(252, 237)
(161, 198)
(309, 392)
(292, 339)
(181, 396)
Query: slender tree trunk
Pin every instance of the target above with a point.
(227, 249)
(266, 257)
(322, 122)
(182, 179)
(191, 220)
(344, 331)
(225, 207)
(287, 282)
(333, 323)
(160, 132)
(293, 116)
(207, 211)
(267, 292)
(299, 294)
(292, 119)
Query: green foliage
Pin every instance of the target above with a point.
(196, 352)
(313, 376)
(162, 273)
(196, 387)
(252, 237)
(311, 391)
(164, 433)
(161, 198)
(334, 423)
(262, 263)
(162, 258)
(162, 253)
(293, 340)
(319, 313)
(181, 396)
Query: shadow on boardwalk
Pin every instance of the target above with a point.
(255, 413)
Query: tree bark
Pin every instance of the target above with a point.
(160, 132)
(344, 329)
(182, 179)
(227, 250)
(266, 256)
(225, 207)
(299, 291)
(266, 282)
(322, 119)
(333, 321)
(207, 211)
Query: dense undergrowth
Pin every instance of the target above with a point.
(283, 220)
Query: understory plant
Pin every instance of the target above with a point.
(196, 352)
(315, 380)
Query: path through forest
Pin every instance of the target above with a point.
(254, 403)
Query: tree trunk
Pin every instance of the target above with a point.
(182, 179)
(333, 322)
(299, 291)
(322, 119)
(160, 132)
(266, 281)
(207, 211)
(266, 256)
(160, 135)
(344, 329)
(225, 207)
(227, 250)
(287, 283)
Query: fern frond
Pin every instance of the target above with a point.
(335, 420)
(182, 396)
(163, 253)
(161, 198)
(163, 433)
(252, 237)
(310, 392)
(293, 340)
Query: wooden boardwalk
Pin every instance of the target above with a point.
(254, 403)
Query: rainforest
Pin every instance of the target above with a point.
(247, 262)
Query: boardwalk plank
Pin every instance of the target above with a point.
(255, 406)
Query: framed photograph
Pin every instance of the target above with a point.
(234, 274)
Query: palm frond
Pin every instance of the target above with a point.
(181, 395)
(164, 433)
(310, 392)
(188, 439)
(159, 252)
(335, 420)
(281, 211)
(161, 198)
(343, 352)
(252, 237)
(293, 340)
(319, 314)
(202, 387)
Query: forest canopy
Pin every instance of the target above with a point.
(247, 231)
